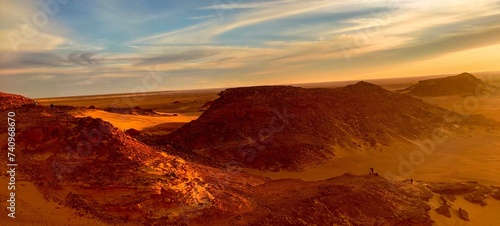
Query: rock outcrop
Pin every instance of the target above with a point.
(444, 210)
(463, 214)
(12, 101)
(92, 166)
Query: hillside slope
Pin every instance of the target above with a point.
(12, 100)
(284, 127)
(89, 165)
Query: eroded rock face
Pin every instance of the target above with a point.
(343, 200)
(284, 127)
(477, 197)
(472, 191)
(452, 188)
(446, 199)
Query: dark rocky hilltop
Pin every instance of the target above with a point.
(284, 127)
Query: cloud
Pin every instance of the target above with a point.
(190, 34)
(19, 40)
(82, 58)
(41, 77)
(226, 19)
(200, 17)
(267, 11)
(175, 58)
(27, 25)
(30, 59)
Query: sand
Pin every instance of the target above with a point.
(473, 158)
(488, 105)
(34, 209)
(138, 122)
(484, 216)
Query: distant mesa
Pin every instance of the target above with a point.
(285, 127)
(132, 111)
(13, 101)
(462, 84)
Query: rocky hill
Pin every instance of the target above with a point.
(12, 101)
(284, 127)
(462, 84)
(90, 165)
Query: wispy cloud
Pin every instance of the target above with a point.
(201, 17)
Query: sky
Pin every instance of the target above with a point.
(51, 48)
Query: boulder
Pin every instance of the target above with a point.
(496, 195)
(463, 214)
(476, 198)
(132, 132)
(444, 210)
(447, 198)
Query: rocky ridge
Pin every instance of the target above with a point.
(284, 127)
